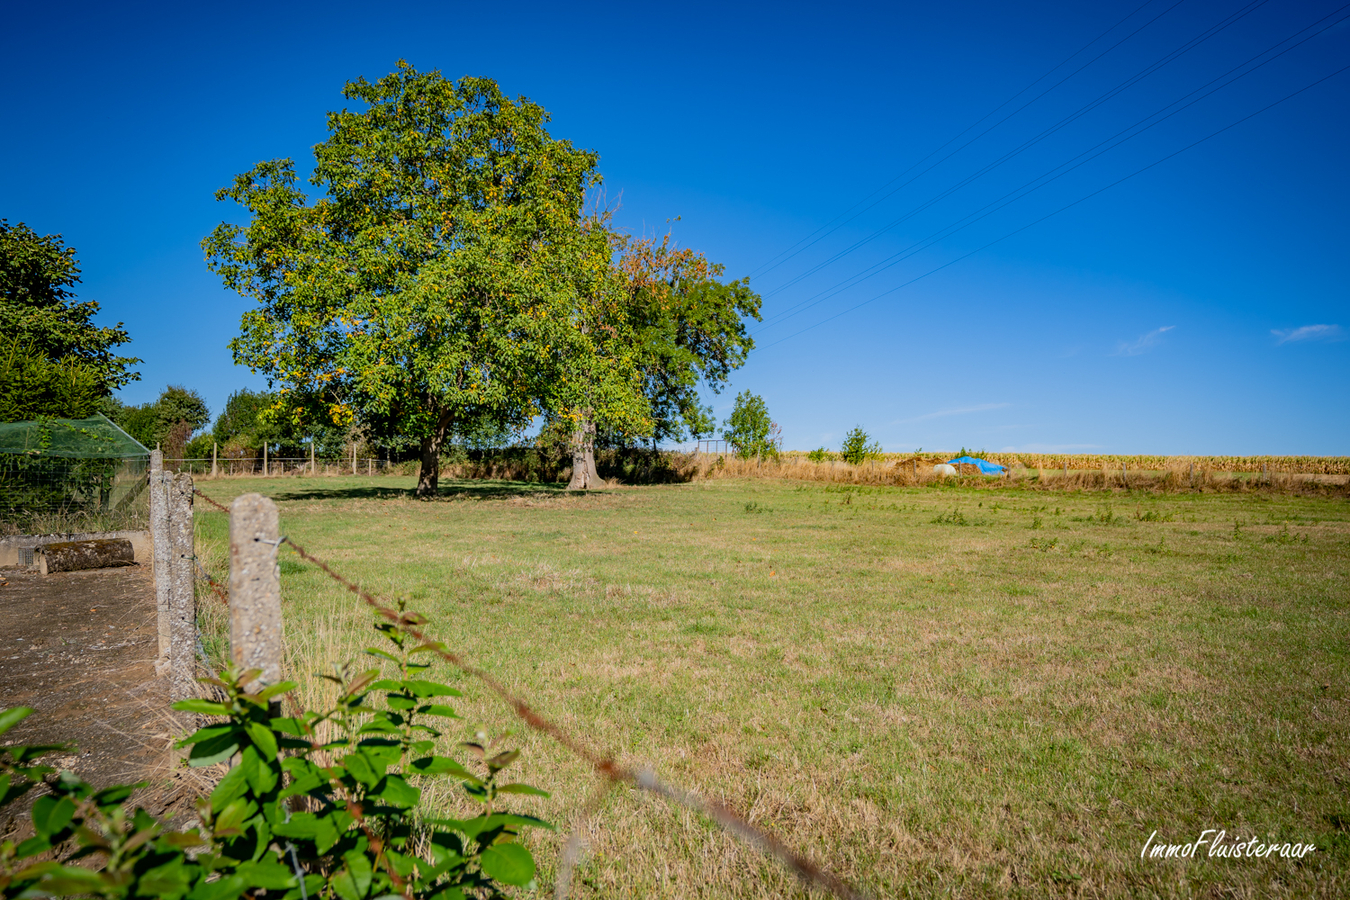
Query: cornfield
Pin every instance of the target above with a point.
(1300, 465)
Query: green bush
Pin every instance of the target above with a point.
(749, 428)
(858, 448)
(320, 804)
(820, 454)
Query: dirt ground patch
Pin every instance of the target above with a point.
(79, 648)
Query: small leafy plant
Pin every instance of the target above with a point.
(820, 454)
(858, 447)
(318, 804)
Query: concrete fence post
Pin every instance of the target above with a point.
(182, 603)
(265, 472)
(255, 588)
(159, 541)
(214, 447)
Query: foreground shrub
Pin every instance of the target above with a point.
(319, 804)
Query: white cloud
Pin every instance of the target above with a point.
(1309, 333)
(958, 411)
(1143, 343)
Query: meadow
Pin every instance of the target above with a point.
(936, 691)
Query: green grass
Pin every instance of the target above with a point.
(936, 691)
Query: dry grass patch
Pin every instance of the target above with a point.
(1002, 702)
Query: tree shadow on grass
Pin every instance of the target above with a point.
(450, 490)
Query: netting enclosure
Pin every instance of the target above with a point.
(71, 475)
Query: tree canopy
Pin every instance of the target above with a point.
(437, 282)
(168, 422)
(33, 386)
(690, 330)
(40, 316)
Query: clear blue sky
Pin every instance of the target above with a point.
(1198, 307)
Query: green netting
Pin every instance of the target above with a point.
(93, 438)
(64, 475)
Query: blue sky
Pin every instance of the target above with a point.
(1197, 307)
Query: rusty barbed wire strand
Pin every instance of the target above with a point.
(220, 506)
(603, 764)
(215, 586)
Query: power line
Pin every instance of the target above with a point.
(1062, 208)
(791, 252)
(1148, 70)
(1050, 175)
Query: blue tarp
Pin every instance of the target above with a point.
(987, 468)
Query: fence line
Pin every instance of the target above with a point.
(603, 764)
(278, 465)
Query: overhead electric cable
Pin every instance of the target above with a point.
(1139, 76)
(1054, 173)
(1051, 215)
(791, 252)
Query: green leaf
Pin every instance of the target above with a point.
(363, 769)
(394, 790)
(233, 816)
(67, 880)
(231, 786)
(212, 750)
(440, 765)
(353, 880)
(259, 773)
(521, 789)
(204, 707)
(508, 863)
(33, 846)
(207, 733)
(13, 716)
(227, 888)
(263, 739)
(116, 795)
(436, 709)
(267, 873)
(273, 690)
(419, 688)
(51, 815)
(373, 651)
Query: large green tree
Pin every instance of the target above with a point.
(433, 285)
(167, 422)
(691, 331)
(56, 360)
(668, 320)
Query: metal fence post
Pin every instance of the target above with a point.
(255, 588)
(182, 604)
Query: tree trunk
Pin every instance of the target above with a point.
(430, 472)
(584, 476)
(72, 556)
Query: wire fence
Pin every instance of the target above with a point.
(54, 494)
(281, 465)
(603, 764)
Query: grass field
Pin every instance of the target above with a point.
(937, 692)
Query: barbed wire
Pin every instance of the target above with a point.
(602, 763)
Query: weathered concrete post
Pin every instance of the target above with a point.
(255, 588)
(265, 471)
(182, 603)
(214, 447)
(159, 537)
